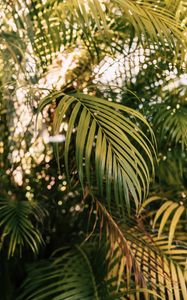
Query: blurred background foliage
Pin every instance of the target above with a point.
(93, 149)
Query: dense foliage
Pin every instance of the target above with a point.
(93, 149)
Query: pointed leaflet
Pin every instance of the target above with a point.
(68, 136)
(174, 222)
(81, 135)
(161, 210)
(88, 150)
(58, 118)
(165, 217)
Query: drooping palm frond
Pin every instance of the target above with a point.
(74, 273)
(145, 260)
(85, 272)
(168, 215)
(172, 161)
(169, 276)
(71, 23)
(171, 122)
(16, 227)
(150, 19)
(105, 130)
(147, 18)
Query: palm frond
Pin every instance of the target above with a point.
(105, 130)
(57, 23)
(145, 260)
(169, 276)
(71, 274)
(152, 20)
(147, 18)
(168, 214)
(16, 227)
(172, 161)
(172, 123)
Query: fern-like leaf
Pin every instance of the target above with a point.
(72, 274)
(17, 227)
(105, 132)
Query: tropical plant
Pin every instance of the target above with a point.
(93, 151)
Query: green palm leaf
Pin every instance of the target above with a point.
(57, 23)
(71, 274)
(163, 265)
(17, 227)
(147, 18)
(145, 260)
(150, 19)
(168, 216)
(104, 133)
(171, 122)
